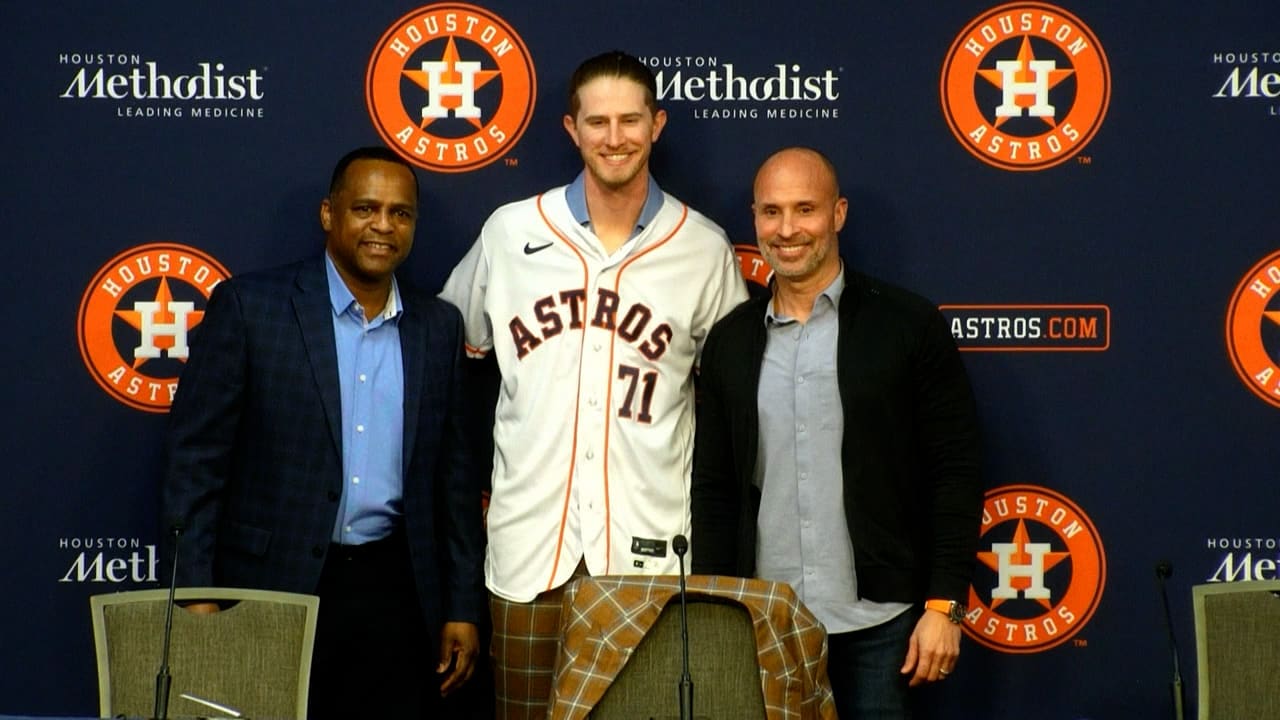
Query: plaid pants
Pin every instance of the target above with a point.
(525, 647)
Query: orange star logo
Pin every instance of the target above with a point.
(1024, 75)
(982, 58)
(1250, 336)
(152, 270)
(1020, 556)
(164, 296)
(409, 66)
(450, 77)
(1018, 568)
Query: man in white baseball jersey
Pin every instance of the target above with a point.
(595, 298)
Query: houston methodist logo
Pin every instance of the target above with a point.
(1041, 571)
(1025, 86)
(1253, 326)
(135, 318)
(450, 87)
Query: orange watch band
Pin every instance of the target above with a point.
(952, 609)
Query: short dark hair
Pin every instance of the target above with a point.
(371, 152)
(614, 63)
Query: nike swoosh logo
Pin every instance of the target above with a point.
(531, 250)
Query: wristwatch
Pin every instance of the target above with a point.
(953, 610)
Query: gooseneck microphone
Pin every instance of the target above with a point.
(163, 679)
(680, 544)
(1164, 570)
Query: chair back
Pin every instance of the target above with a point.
(253, 656)
(1238, 649)
(722, 662)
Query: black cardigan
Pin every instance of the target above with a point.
(910, 454)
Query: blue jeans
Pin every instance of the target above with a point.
(863, 668)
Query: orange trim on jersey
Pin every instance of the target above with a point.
(608, 396)
(684, 215)
(473, 351)
(573, 455)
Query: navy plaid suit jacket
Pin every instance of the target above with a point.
(254, 470)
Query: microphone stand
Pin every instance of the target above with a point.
(163, 679)
(1164, 570)
(681, 545)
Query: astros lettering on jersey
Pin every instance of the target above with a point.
(593, 433)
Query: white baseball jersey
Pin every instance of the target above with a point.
(593, 431)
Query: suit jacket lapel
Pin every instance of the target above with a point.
(315, 319)
(413, 352)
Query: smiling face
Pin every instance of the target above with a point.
(614, 129)
(798, 215)
(368, 220)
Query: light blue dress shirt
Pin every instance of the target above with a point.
(803, 533)
(371, 376)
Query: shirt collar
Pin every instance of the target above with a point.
(831, 292)
(576, 196)
(341, 298)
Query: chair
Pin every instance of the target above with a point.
(1238, 649)
(722, 663)
(253, 656)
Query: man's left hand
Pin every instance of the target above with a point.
(459, 646)
(933, 649)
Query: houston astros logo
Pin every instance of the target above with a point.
(755, 269)
(135, 318)
(451, 87)
(1041, 571)
(1253, 329)
(1025, 86)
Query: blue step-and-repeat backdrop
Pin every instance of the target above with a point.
(1087, 188)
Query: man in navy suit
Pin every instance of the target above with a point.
(316, 446)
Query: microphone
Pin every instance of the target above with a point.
(680, 544)
(1164, 570)
(163, 679)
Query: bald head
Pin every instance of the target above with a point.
(798, 214)
(802, 159)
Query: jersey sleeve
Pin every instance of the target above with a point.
(725, 290)
(466, 289)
